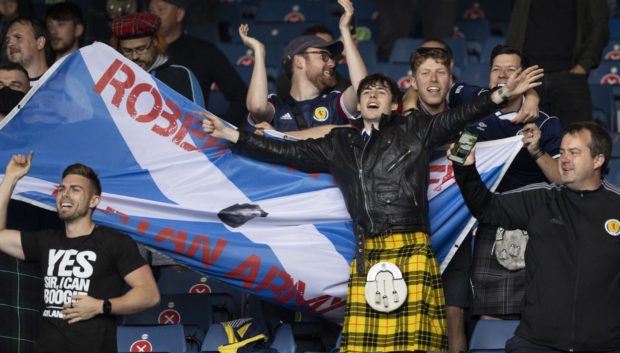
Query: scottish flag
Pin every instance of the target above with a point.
(273, 231)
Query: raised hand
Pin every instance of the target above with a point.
(531, 138)
(18, 166)
(248, 41)
(522, 80)
(347, 16)
(214, 126)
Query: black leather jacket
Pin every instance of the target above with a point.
(383, 182)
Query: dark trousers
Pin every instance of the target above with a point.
(566, 96)
(520, 345)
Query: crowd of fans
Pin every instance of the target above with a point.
(313, 99)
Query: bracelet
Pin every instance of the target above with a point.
(537, 155)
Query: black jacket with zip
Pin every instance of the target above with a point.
(383, 182)
(572, 261)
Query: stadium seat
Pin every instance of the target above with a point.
(275, 11)
(612, 50)
(603, 109)
(158, 338)
(283, 340)
(368, 51)
(615, 139)
(606, 74)
(459, 51)
(237, 53)
(194, 312)
(278, 33)
(476, 74)
(487, 48)
(227, 302)
(476, 33)
(614, 28)
(401, 73)
(490, 336)
(402, 50)
(614, 172)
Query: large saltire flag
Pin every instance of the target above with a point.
(270, 230)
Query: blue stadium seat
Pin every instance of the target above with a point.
(487, 48)
(476, 33)
(614, 172)
(490, 336)
(193, 311)
(603, 109)
(614, 28)
(615, 139)
(278, 33)
(227, 302)
(475, 30)
(237, 53)
(476, 74)
(283, 340)
(161, 338)
(607, 73)
(459, 51)
(275, 11)
(402, 50)
(368, 51)
(401, 73)
(187, 309)
(217, 104)
(612, 50)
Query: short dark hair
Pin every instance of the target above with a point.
(65, 11)
(600, 141)
(508, 50)
(85, 171)
(382, 79)
(9, 66)
(316, 29)
(422, 54)
(39, 30)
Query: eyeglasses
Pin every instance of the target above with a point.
(139, 50)
(325, 55)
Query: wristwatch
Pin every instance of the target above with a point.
(107, 307)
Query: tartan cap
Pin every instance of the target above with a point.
(135, 25)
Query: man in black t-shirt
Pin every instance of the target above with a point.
(84, 268)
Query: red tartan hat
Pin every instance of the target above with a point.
(135, 25)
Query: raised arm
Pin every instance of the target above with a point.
(546, 163)
(10, 240)
(307, 155)
(259, 107)
(357, 68)
(445, 125)
(512, 210)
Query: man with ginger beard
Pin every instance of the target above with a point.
(310, 62)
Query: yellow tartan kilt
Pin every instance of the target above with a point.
(420, 324)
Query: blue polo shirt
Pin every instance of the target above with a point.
(523, 170)
(325, 109)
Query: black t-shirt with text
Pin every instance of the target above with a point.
(93, 265)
